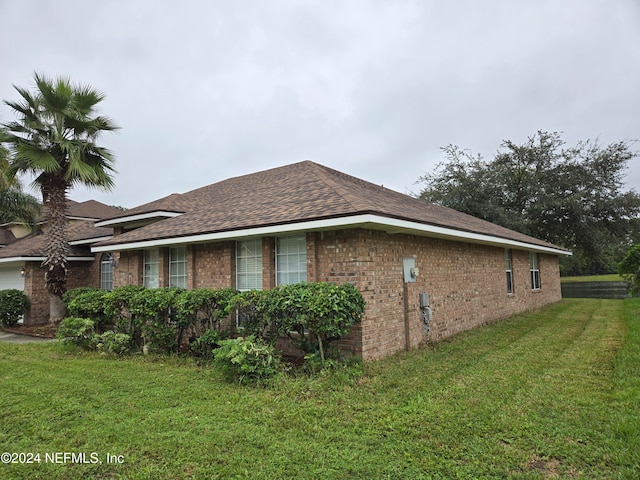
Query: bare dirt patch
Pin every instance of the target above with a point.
(43, 331)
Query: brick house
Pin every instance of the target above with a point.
(306, 222)
(22, 253)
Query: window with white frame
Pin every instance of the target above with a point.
(291, 260)
(151, 268)
(106, 272)
(508, 267)
(178, 267)
(249, 264)
(534, 265)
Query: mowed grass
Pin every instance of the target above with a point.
(553, 393)
(612, 277)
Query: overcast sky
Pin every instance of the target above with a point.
(207, 90)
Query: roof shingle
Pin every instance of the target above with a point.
(33, 245)
(295, 193)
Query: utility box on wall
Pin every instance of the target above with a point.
(409, 269)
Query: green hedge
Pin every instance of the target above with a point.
(310, 314)
(13, 305)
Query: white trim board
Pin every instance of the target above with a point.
(42, 259)
(136, 218)
(374, 222)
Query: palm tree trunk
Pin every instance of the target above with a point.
(57, 310)
(56, 246)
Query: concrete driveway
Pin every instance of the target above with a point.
(13, 338)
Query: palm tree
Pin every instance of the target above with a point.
(54, 139)
(15, 205)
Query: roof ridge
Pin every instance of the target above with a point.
(326, 174)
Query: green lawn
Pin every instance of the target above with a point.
(612, 277)
(550, 394)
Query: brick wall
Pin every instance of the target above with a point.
(79, 274)
(129, 269)
(466, 284)
(212, 265)
(35, 290)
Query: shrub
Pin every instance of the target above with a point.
(205, 306)
(154, 310)
(90, 303)
(629, 268)
(248, 360)
(77, 331)
(254, 309)
(70, 295)
(318, 312)
(13, 304)
(112, 342)
(205, 345)
(117, 309)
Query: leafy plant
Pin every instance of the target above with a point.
(118, 309)
(205, 345)
(70, 295)
(13, 304)
(89, 303)
(112, 342)
(207, 306)
(629, 268)
(154, 309)
(251, 308)
(248, 360)
(77, 331)
(319, 312)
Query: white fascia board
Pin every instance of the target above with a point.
(42, 259)
(331, 223)
(136, 218)
(86, 219)
(470, 237)
(375, 222)
(89, 241)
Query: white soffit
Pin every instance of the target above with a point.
(42, 259)
(89, 241)
(136, 218)
(374, 222)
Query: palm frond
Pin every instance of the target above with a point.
(31, 159)
(55, 94)
(56, 134)
(86, 98)
(31, 101)
(22, 108)
(6, 179)
(105, 124)
(13, 127)
(17, 206)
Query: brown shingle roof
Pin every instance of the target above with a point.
(91, 209)
(295, 193)
(6, 237)
(33, 245)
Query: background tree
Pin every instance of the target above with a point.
(572, 197)
(15, 205)
(54, 139)
(629, 268)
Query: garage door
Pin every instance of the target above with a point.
(10, 277)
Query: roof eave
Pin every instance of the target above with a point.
(372, 221)
(90, 241)
(120, 221)
(27, 258)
